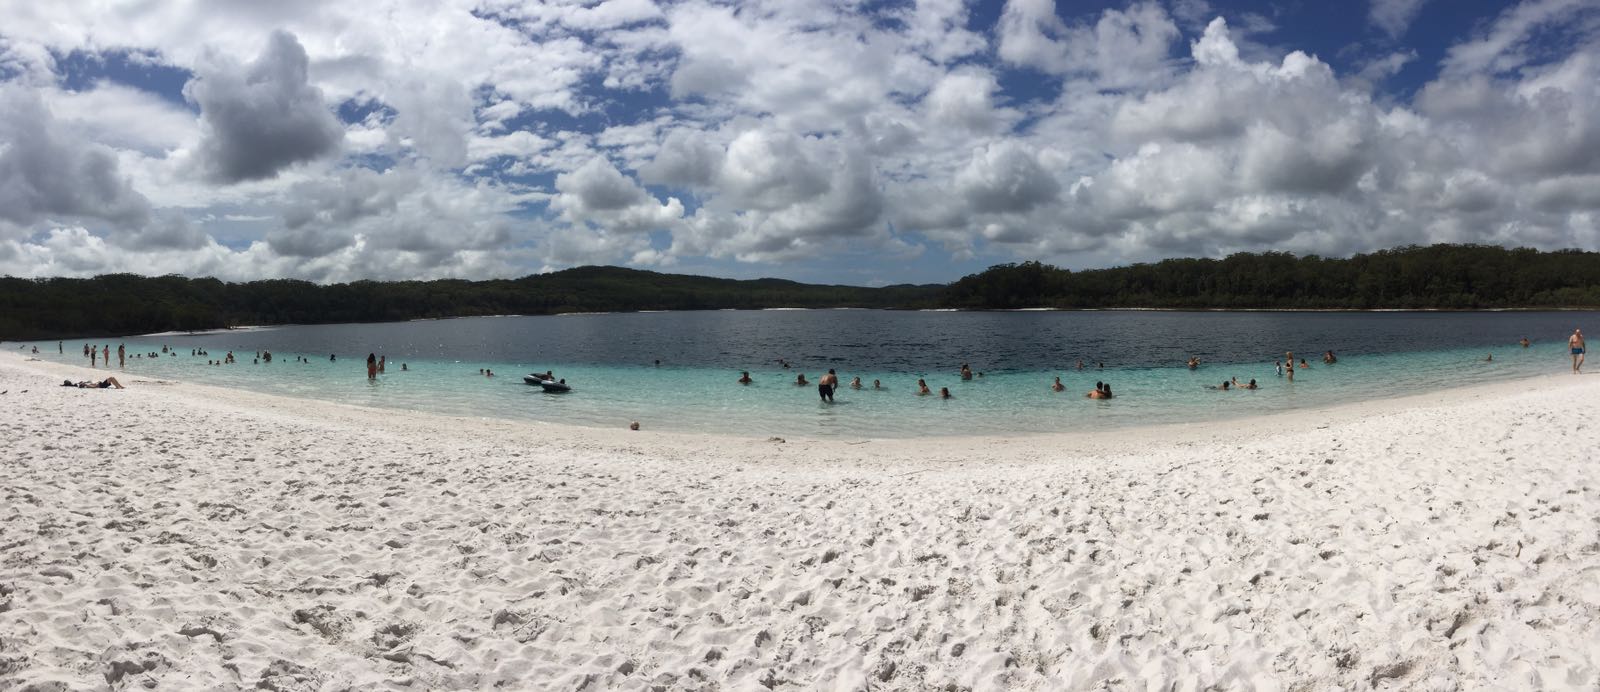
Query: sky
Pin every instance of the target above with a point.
(864, 143)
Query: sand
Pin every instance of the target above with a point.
(177, 536)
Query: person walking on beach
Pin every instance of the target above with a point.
(825, 385)
(1575, 342)
(372, 366)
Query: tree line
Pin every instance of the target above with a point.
(1455, 277)
(1437, 277)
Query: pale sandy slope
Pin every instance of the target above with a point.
(176, 536)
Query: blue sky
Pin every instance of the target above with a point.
(851, 142)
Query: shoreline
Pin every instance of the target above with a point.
(1246, 424)
(183, 536)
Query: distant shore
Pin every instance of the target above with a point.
(224, 330)
(187, 536)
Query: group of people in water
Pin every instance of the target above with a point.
(1284, 367)
(828, 383)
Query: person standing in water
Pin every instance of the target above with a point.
(372, 366)
(825, 385)
(1288, 364)
(122, 356)
(1575, 342)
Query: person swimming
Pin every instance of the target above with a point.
(877, 385)
(1101, 391)
(800, 380)
(922, 388)
(966, 371)
(855, 383)
(1058, 386)
(1194, 362)
(944, 393)
(744, 377)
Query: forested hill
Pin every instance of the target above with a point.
(1439, 277)
(1445, 277)
(131, 304)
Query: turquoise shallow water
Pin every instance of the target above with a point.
(707, 398)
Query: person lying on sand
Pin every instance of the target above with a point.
(106, 383)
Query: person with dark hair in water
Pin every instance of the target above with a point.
(825, 385)
(372, 366)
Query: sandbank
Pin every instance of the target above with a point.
(180, 536)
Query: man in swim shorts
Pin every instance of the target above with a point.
(825, 385)
(1575, 342)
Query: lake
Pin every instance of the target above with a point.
(611, 362)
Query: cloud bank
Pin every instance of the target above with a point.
(833, 142)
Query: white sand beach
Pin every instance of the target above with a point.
(177, 536)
